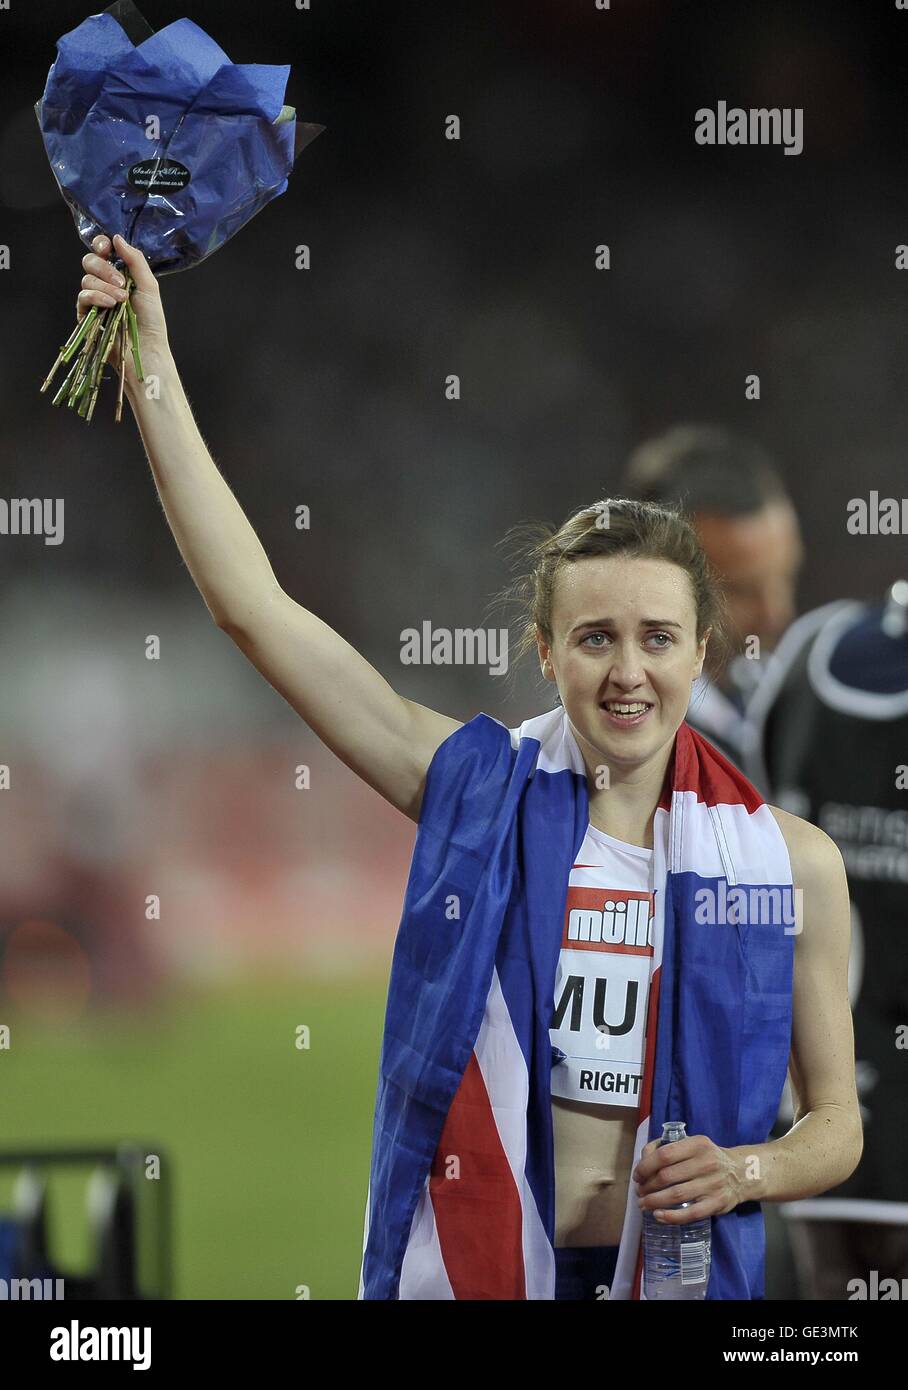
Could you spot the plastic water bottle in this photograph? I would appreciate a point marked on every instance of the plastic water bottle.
(676, 1258)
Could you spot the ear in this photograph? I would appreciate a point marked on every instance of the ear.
(545, 653)
(701, 650)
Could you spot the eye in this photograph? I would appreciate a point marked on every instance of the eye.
(597, 646)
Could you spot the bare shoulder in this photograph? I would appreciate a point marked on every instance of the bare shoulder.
(813, 854)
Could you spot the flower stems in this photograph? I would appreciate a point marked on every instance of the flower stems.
(121, 348)
(89, 346)
(134, 335)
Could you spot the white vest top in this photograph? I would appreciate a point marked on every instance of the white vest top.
(603, 977)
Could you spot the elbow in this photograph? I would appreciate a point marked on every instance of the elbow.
(846, 1143)
(858, 1148)
(246, 617)
(229, 623)
(852, 1151)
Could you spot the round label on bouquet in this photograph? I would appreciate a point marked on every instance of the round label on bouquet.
(159, 175)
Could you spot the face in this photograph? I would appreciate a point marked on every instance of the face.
(623, 630)
(758, 558)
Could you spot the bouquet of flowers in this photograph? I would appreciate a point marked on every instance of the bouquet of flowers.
(159, 137)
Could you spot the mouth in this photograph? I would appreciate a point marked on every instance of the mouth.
(626, 714)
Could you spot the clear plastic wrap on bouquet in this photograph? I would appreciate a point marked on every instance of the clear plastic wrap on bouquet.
(161, 138)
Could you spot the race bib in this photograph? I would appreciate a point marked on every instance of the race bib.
(601, 991)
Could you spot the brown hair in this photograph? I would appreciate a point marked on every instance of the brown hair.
(613, 526)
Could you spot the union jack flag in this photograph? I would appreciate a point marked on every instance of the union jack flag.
(461, 1199)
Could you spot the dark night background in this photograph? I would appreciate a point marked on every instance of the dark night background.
(431, 256)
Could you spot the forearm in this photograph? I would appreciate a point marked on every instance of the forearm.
(817, 1153)
(217, 542)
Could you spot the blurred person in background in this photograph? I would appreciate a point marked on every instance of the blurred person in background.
(829, 736)
(749, 531)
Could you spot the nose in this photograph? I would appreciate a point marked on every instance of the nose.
(626, 672)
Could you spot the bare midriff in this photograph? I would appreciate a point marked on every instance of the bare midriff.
(594, 1155)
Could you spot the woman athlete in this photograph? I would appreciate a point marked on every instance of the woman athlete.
(661, 610)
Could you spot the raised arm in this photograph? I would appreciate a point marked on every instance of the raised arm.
(386, 739)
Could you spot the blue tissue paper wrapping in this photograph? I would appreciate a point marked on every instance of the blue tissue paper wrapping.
(160, 137)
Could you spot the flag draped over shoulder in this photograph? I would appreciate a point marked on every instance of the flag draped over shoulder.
(461, 1200)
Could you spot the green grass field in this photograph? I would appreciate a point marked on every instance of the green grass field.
(269, 1144)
